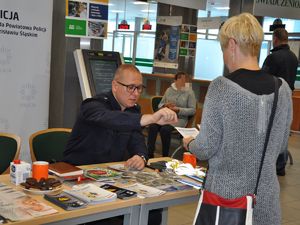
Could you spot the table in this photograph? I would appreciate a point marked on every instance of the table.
(135, 210)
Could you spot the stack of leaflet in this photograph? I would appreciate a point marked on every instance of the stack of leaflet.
(102, 174)
(144, 191)
(91, 194)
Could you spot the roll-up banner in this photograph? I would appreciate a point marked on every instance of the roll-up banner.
(25, 53)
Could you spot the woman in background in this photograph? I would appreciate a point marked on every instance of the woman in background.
(180, 99)
(234, 123)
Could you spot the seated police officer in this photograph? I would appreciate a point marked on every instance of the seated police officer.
(109, 126)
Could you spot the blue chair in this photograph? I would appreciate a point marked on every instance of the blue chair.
(10, 145)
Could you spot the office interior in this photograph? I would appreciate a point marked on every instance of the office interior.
(65, 92)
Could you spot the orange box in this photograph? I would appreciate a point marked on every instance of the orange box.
(40, 170)
(190, 158)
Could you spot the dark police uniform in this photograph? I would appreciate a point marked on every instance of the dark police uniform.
(103, 133)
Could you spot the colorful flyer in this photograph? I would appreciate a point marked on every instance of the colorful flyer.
(188, 40)
(86, 18)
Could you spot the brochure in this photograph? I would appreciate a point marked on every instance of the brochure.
(66, 201)
(91, 193)
(101, 174)
(144, 191)
(15, 205)
(122, 193)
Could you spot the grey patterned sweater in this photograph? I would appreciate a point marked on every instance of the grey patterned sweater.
(184, 99)
(232, 136)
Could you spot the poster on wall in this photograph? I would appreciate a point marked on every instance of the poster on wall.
(86, 18)
(167, 41)
(25, 53)
(188, 40)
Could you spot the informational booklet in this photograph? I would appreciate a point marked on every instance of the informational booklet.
(144, 191)
(187, 132)
(122, 193)
(101, 174)
(16, 206)
(63, 169)
(91, 193)
(66, 201)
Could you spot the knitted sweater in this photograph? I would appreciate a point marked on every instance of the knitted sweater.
(184, 99)
(231, 138)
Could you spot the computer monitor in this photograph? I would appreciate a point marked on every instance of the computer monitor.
(96, 70)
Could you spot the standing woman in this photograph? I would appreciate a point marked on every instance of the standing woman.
(234, 123)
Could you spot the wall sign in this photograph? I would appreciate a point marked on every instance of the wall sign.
(277, 8)
(86, 18)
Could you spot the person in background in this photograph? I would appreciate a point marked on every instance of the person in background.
(181, 99)
(109, 127)
(234, 123)
(282, 63)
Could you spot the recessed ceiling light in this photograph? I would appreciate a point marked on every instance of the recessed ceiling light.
(140, 3)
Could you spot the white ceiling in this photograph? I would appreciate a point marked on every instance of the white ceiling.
(141, 10)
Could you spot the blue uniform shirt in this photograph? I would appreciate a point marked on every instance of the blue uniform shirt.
(103, 133)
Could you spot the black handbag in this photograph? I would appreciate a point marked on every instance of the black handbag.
(213, 209)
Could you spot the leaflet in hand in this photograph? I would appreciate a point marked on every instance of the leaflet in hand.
(186, 132)
(91, 193)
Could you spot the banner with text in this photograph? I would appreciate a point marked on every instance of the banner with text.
(167, 41)
(289, 9)
(25, 53)
(86, 18)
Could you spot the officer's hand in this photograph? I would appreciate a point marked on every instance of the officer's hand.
(165, 116)
(135, 162)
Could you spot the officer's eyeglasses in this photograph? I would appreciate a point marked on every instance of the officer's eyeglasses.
(131, 88)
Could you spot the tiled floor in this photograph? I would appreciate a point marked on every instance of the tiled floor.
(290, 193)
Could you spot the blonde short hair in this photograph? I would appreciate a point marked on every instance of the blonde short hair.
(245, 30)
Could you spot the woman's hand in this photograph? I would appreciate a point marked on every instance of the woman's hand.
(186, 141)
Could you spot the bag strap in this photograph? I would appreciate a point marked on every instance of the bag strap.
(268, 133)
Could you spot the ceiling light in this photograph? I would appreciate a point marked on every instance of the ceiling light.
(140, 3)
(222, 8)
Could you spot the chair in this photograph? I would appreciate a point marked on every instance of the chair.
(155, 100)
(48, 145)
(9, 150)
